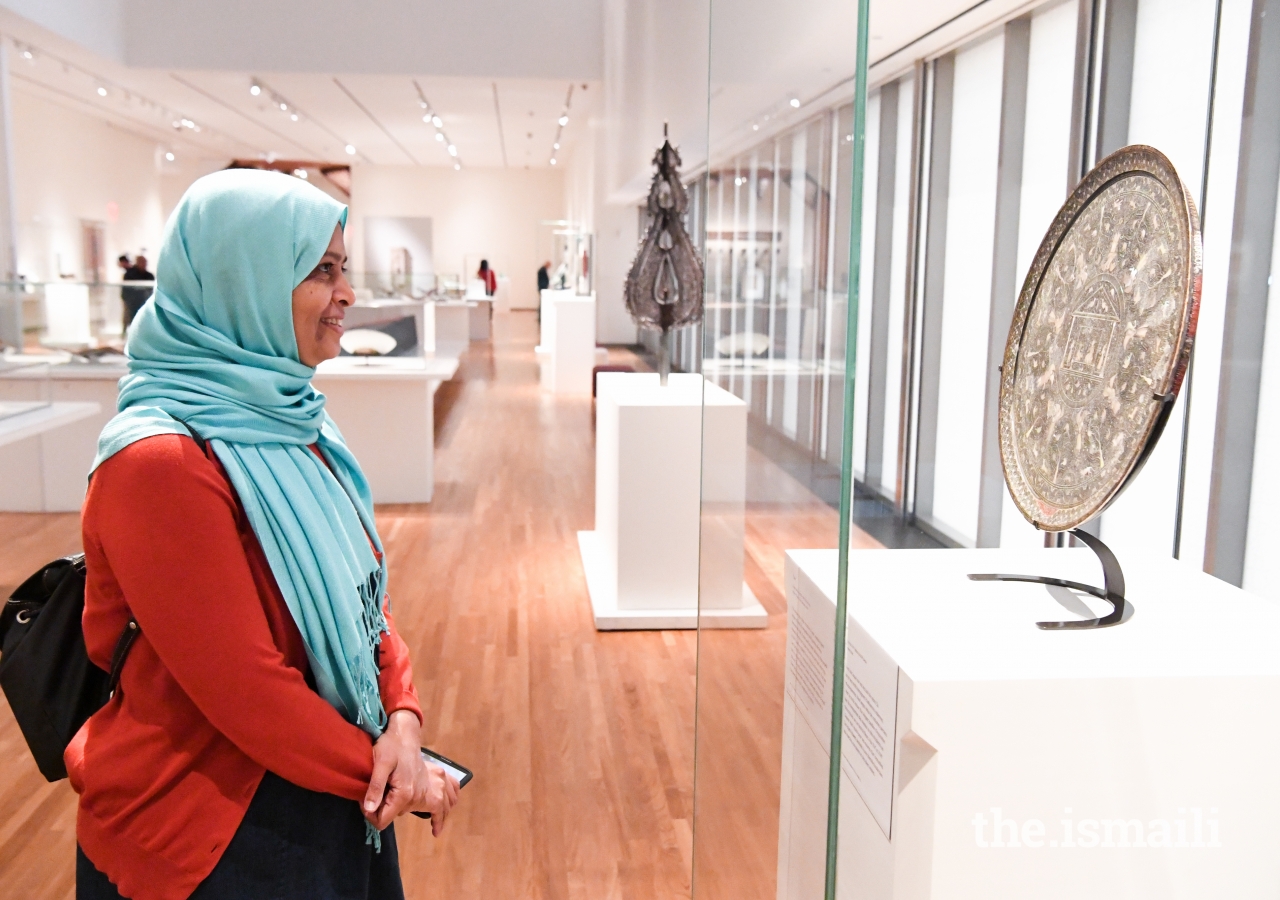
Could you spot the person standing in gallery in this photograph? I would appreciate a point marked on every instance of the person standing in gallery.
(544, 283)
(134, 297)
(487, 275)
(265, 732)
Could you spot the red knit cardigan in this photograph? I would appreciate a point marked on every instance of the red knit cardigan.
(214, 691)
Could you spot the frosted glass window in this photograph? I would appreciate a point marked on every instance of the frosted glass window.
(1261, 561)
(870, 185)
(897, 286)
(1046, 152)
(1172, 65)
(966, 306)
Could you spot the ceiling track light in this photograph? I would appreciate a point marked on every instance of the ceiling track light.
(254, 88)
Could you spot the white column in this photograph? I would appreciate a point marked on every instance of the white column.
(10, 301)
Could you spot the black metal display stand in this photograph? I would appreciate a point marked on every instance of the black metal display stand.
(1112, 592)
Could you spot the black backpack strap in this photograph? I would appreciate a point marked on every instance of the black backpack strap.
(195, 435)
(123, 645)
(131, 631)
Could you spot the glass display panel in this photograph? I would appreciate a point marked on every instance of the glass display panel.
(970, 758)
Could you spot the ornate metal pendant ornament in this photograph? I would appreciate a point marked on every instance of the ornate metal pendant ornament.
(664, 286)
(1098, 348)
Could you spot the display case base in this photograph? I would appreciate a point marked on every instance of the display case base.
(608, 617)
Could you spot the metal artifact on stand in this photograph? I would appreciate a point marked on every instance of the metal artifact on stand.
(1099, 344)
(664, 286)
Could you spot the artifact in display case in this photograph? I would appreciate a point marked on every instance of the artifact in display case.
(664, 286)
(1099, 344)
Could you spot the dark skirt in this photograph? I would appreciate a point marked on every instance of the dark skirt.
(293, 844)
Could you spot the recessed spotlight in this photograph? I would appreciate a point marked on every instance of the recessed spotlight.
(453, 151)
(564, 120)
(169, 156)
(351, 150)
(437, 121)
(755, 127)
(439, 135)
(422, 103)
(555, 146)
(102, 92)
(795, 102)
(301, 173)
(255, 89)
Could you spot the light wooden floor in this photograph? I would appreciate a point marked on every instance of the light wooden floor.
(582, 742)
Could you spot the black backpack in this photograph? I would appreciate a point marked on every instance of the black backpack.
(45, 672)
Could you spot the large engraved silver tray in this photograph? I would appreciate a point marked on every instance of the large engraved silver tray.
(1100, 339)
(1097, 351)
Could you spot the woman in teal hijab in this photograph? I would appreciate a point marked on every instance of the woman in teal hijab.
(267, 708)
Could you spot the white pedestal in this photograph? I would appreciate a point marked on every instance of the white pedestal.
(385, 409)
(642, 561)
(546, 319)
(1137, 761)
(480, 319)
(50, 472)
(573, 354)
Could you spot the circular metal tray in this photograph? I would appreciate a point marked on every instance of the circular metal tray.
(1100, 339)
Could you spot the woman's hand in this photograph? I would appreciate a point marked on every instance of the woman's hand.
(440, 793)
(403, 782)
(398, 778)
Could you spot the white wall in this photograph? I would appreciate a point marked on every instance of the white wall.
(69, 166)
(475, 212)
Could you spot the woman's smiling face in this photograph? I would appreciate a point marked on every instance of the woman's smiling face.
(319, 305)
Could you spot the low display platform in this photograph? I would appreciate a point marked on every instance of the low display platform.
(654, 506)
(985, 757)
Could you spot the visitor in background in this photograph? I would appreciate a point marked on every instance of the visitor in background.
(135, 297)
(123, 261)
(544, 283)
(265, 731)
(488, 277)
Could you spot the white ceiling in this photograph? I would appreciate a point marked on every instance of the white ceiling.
(491, 121)
(556, 39)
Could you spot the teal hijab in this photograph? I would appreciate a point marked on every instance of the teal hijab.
(215, 348)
